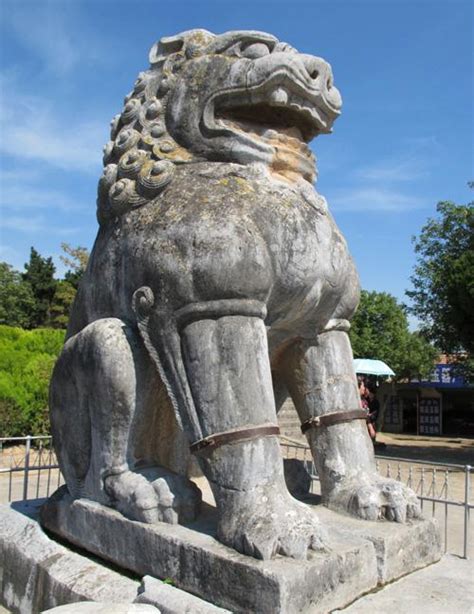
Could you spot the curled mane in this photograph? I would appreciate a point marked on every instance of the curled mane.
(139, 160)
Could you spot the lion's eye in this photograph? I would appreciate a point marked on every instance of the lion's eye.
(254, 50)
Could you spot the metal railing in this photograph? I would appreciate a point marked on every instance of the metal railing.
(444, 491)
(29, 469)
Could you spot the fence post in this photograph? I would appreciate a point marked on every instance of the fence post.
(467, 480)
(27, 467)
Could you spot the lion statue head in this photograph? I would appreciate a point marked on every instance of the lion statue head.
(240, 97)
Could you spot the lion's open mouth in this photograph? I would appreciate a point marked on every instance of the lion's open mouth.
(265, 119)
(278, 104)
(272, 121)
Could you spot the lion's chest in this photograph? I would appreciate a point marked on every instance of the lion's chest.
(213, 238)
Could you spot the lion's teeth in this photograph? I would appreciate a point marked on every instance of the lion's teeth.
(279, 97)
(270, 134)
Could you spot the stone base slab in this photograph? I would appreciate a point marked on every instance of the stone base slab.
(37, 572)
(400, 549)
(196, 562)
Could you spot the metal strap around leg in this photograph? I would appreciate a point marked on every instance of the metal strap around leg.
(219, 439)
(333, 418)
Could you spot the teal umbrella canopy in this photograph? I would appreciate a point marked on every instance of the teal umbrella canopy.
(368, 366)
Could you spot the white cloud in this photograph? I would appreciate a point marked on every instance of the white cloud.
(34, 225)
(23, 224)
(20, 196)
(32, 129)
(12, 256)
(405, 170)
(378, 186)
(414, 162)
(48, 29)
(374, 199)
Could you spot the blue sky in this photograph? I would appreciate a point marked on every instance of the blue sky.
(404, 140)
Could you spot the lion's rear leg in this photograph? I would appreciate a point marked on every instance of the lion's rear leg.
(100, 388)
(227, 372)
(321, 380)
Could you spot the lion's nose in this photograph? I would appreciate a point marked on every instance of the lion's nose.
(315, 67)
(319, 74)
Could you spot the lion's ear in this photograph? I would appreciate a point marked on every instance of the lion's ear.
(195, 39)
(164, 47)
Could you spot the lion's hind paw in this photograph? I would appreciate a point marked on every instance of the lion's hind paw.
(153, 495)
(372, 497)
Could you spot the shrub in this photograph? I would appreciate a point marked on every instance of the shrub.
(27, 358)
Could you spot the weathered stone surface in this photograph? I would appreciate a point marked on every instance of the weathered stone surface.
(399, 548)
(37, 573)
(91, 607)
(196, 562)
(172, 600)
(218, 285)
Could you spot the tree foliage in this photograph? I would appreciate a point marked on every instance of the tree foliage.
(39, 274)
(26, 362)
(443, 278)
(17, 302)
(61, 304)
(35, 298)
(380, 330)
(76, 259)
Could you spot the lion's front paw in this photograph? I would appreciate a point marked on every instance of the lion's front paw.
(133, 495)
(372, 497)
(270, 526)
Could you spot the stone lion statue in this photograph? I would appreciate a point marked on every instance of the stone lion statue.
(218, 285)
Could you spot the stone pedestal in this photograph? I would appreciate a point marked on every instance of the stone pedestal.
(363, 555)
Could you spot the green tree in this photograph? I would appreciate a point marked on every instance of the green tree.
(16, 298)
(380, 330)
(61, 304)
(39, 273)
(443, 278)
(443, 281)
(76, 259)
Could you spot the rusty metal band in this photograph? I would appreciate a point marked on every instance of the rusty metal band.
(334, 418)
(219, 439)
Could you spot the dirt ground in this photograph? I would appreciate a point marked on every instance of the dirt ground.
(459, 451)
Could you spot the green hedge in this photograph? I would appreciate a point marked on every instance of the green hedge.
(27, 358)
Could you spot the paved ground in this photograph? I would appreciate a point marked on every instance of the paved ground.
(444, 588)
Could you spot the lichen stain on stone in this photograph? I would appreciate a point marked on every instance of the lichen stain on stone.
(237, 184)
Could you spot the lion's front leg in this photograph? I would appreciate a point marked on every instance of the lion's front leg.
(321, 381)
(229, 412)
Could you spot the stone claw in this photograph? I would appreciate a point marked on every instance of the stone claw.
(372, 497)
(289, 529)
(153, 495)
(133, 496)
